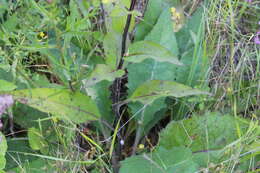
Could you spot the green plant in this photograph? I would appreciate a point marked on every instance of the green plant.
(197, 144)
(86, 76)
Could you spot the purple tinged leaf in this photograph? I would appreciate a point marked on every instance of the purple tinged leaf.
(257, 38)
(5, 102)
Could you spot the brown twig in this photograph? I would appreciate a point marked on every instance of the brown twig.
(117, 87)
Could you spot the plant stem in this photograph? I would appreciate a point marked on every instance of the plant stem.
(117, 87)
(125, 33)
(138, 132)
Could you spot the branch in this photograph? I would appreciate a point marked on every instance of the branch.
(125, 33)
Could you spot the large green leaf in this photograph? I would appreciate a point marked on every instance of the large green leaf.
(175, 160)
(154, 89)
(26, 117)
(209, 132)
(142, 50)
(3, 148)
(69, 105)
(149, 69)
(206, 136)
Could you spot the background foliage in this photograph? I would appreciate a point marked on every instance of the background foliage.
(123, 86)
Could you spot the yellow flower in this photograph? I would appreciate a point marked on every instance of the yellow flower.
(173, 10)
(41, 34)
(177, 18)
(141, 146)
(229, 90)
(55, 119)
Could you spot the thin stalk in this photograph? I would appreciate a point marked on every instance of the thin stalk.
(138, 132)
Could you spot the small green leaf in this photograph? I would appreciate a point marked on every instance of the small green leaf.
(102, 72)
(6, 86)
(73, 106)
(153, 11)
(142, 50)
(3, 148)
(36, 140)
(154, 89)
(112, 48)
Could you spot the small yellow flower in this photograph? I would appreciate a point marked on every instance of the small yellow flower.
(177, 17)
(173, 10)
(55, 119)
(229, 90)
(141, 146)
(41, 34)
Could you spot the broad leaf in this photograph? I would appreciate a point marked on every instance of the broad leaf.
(6, 86)
(26, 117)
(149, 69)
(209, 132)
(101, 96)
(3, 148)
(69, 105)
(142, 50)
(175, 160)
(154, 89)
(100, 73)
(206, 136)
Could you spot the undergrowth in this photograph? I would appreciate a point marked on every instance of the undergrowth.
(151, 86)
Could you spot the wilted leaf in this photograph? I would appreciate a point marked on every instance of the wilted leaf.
(74, 106)
(154, 89)
(142, 50)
